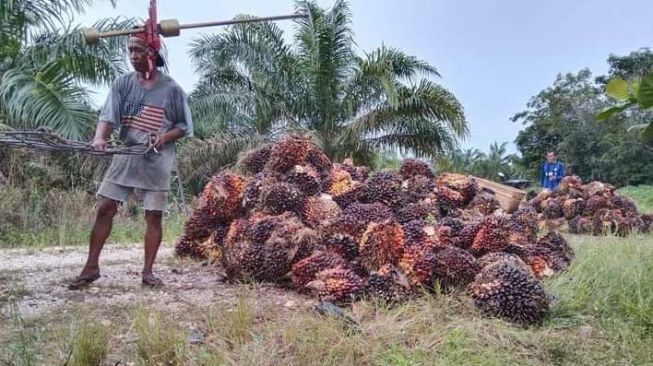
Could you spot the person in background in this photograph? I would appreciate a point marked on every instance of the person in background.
(552, 171)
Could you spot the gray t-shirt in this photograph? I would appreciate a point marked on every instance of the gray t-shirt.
(136, 112)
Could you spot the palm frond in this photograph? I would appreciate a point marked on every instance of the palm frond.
(46, 97)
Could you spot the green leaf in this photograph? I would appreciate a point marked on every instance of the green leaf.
(617, 89)
(647, 134)
(607, 113)
(645, 92)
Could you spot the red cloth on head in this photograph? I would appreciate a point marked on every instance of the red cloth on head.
(142, 36)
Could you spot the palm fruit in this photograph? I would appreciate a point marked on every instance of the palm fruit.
(593, 189)
(647, 220)
(211, 248)
(389, 285)
(383, 187)
(552, 209)
(222, 196)
(467, 234)
(316, 210)
(573, 207)
(448, 199)
(354, 219)
(494, 257)
(305, 178)
(200, 224)
(264, 248)
(461, 183)
(280, 197)
(604, 222)
(580, 225)
(570, 182)
(526, 217)
(536, 259)
(254, 161)
(338, 181)
(290, 151)
(418, 263)
(413, 167)
(381, 243)
(337, 285)
(341, 244)
(184, 246)
(252, 191)
(503, 290)
(493, 235)
(557, 243)
(420, 232)
(418, 188)
(448, 230)
(346, 198)
(368, 212)
(625, 204)
(518, 235)
(454, 267)
(485, 203)
(304, 271)
(358, 173)
(319, 161)
(417, 210)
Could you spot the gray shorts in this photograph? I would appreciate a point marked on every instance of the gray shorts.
(152, 200)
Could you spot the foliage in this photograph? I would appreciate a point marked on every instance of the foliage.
(562, 118)
(253, 83)
(492, 165)
(631, 84)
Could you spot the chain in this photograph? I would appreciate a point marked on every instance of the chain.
(44, 140)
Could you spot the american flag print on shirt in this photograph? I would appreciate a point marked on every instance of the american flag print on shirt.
(142, 117)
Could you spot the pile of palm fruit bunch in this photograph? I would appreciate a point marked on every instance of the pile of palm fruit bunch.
(286, 214)
(593, 208)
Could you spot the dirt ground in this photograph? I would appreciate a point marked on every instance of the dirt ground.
(35, 280)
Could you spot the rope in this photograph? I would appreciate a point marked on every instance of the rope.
(44, 140)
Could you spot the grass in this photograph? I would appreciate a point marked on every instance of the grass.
(89, 344)
(602, 316)
(37, 219)
(158, 340)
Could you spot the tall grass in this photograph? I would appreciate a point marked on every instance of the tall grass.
(56, 217)
(159, 340)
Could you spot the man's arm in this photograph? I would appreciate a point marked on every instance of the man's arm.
(561, 171)
(102, 131)
(164, 138)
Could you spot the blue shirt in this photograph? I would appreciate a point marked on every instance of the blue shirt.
(551, 174)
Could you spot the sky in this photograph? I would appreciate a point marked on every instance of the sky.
(494, 55)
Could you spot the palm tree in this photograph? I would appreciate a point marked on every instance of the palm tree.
(255, 86)
(46, 68)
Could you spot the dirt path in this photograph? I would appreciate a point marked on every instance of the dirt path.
(38, 279)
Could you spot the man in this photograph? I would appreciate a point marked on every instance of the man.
(552, 172)
(144, 105)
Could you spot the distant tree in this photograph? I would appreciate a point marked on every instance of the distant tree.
(563, 118)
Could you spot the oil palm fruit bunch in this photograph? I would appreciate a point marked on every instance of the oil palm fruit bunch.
(460, 183)
(413, 167)
(503, 289)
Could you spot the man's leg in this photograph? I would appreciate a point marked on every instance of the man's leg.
(154, 203)
(106, 210)
(153, 237)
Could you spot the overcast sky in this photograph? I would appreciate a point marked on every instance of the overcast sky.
(494, 55)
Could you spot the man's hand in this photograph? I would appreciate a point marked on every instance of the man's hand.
(160, 139)
(99, 143)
